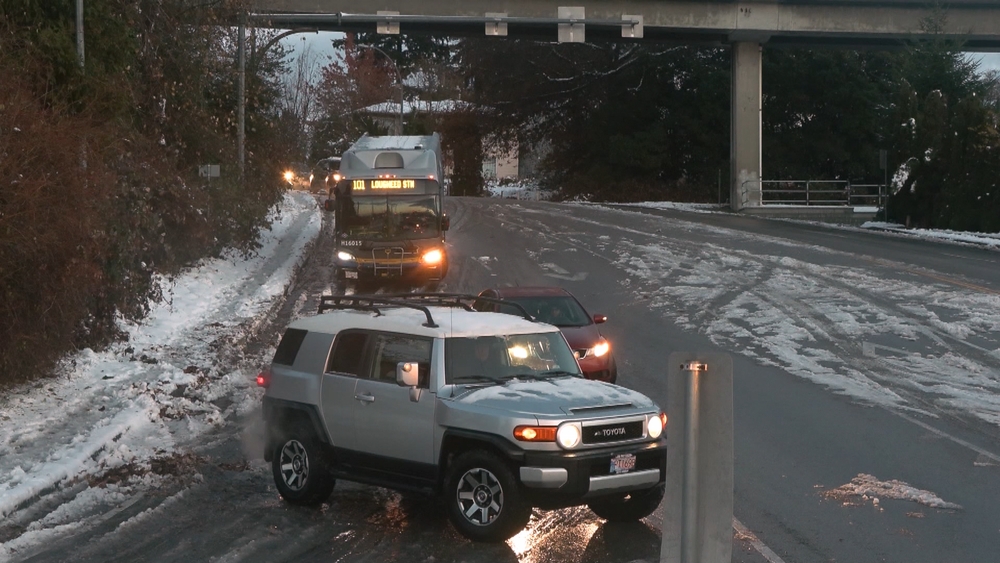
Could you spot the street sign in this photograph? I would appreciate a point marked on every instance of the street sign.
(698, 505)
(209, 171)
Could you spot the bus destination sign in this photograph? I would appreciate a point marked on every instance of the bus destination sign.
(375, 184)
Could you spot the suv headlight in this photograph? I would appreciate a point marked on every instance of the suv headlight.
(568, 436)
(602, 347)
(345, 256)
(655, 424)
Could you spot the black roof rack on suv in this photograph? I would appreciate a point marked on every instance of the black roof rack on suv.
(418, 301)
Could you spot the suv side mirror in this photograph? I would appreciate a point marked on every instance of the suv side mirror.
(328, 205)
(600, 319)
(445, 222)
(407, 374)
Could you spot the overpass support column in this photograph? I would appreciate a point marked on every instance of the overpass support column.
(745, 130)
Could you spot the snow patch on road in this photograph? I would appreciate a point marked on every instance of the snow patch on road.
(869, 489)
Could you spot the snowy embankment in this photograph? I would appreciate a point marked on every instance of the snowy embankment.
(180, 374)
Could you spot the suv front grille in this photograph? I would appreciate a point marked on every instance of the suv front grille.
(617, 432)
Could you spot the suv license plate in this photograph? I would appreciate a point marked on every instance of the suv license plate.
(351, 275)
(622, 463)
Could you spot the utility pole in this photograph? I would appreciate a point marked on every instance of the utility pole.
(79, 33)
(80, 61)
(241, 95)
(883, 162)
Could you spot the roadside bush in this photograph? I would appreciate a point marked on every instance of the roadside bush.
(98, 170)
(53, 228)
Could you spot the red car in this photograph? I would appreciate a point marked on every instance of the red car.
(556, 306)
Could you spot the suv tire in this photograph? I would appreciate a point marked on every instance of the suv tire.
(628, 508)
(301, 472)
(484, 499)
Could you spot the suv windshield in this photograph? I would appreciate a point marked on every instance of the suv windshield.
(561, 311)
(489, 359)
(390, 217)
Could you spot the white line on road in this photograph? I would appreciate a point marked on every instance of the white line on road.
(955, 439)
(771, 556)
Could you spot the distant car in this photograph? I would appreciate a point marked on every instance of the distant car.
(319, 178)
(556, 306)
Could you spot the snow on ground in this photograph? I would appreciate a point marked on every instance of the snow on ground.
(178, 376)
(515, 189)
(909, 342)
(866, 488)
(693, 207)
(985, 239)
(883, 334)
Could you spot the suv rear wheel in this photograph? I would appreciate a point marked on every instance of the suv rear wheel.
(628, 507)
(484, 499)
(300, 470)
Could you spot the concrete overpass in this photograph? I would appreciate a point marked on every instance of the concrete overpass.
(745, 25)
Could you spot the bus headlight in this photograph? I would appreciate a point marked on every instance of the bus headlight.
(433, 257)
(568, 435)
(345, 256)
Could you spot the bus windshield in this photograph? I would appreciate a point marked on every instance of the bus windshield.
(388, 217)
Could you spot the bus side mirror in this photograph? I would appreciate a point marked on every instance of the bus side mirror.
(445, 222)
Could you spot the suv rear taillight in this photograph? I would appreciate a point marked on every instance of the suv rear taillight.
(264, 379)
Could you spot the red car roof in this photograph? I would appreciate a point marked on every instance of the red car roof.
(537, 291)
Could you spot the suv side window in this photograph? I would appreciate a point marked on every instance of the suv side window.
(390, 349)
(348, 353)
(289, 346)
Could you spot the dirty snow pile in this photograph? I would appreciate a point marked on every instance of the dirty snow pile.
(181, 374)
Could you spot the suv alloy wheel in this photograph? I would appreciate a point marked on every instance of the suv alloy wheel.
(300, 471)
(484, 499)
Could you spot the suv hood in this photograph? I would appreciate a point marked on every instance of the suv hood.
(556, 398)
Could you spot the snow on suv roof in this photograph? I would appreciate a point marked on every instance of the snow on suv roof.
(451, 321)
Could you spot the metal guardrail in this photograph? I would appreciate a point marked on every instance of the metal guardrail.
(869, 194)
(821, 192)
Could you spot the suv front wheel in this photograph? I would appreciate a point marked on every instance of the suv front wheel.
(628, 508)
(484, 499)
(300, 470)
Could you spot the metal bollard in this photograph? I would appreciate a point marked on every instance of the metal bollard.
(698, 510)
(689, 495)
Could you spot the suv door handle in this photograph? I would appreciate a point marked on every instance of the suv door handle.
(366, 398)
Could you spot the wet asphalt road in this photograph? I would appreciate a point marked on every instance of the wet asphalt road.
(794, 439)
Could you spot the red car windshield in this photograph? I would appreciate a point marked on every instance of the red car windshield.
(561, 311)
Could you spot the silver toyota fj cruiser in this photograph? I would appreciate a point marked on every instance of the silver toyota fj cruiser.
(421, 392)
